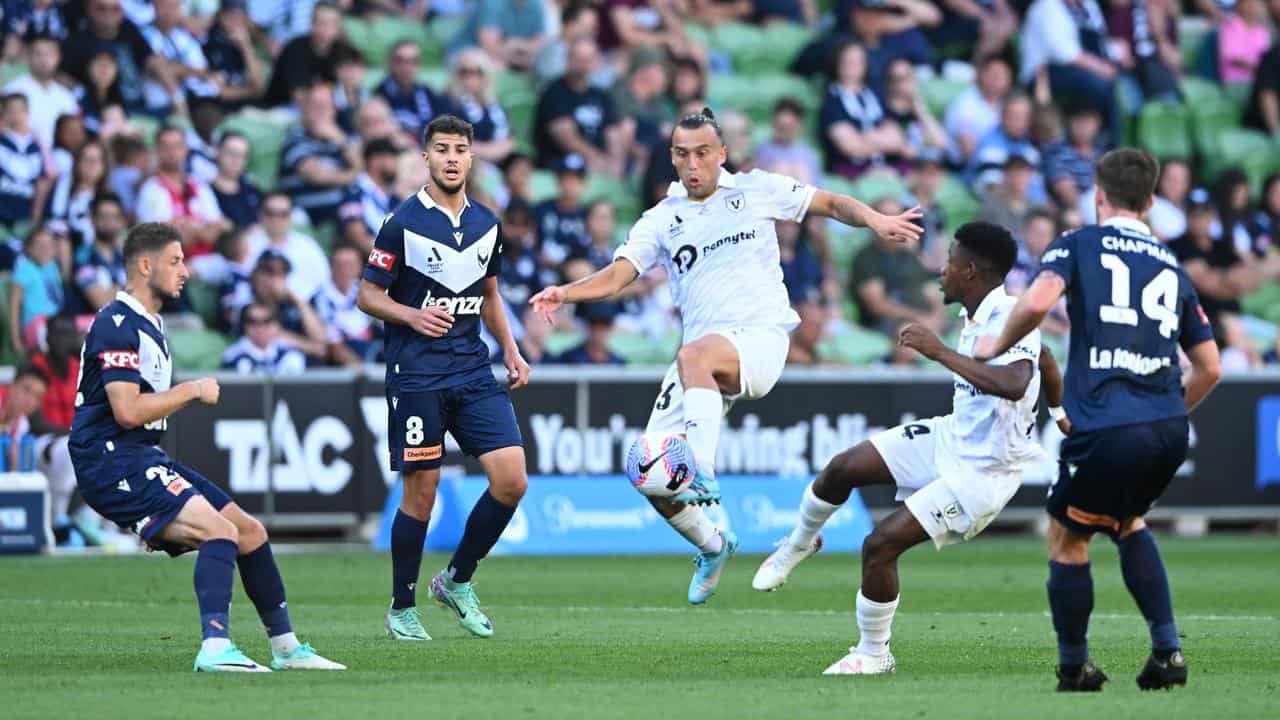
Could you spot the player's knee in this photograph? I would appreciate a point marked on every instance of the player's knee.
(253, 535)
(419, 493)
(878, 548)
(220, 528)
(510, 491)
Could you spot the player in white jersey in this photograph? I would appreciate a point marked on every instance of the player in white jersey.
(714, 233)
(955, 472)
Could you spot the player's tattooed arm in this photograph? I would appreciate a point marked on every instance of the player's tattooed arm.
(1005, 381)
(1032, 306)
(855, 213)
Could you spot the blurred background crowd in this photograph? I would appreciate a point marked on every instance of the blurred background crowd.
(277, 134)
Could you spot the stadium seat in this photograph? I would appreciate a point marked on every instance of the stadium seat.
(938, 93)
(204, 301)
(957, 202)
(385, 31)
(1199, 90)
(622, 193)
(542, 186)
(756, 95)
(1249, 150)
(754, 50)
(519, 99)
(559, 342)
(635, 349)
(8, 353)
(1211, 118)
(854, 346)
(266, 137)
(875, 186)
(197, 350)
(436, 78)
(11, 71)
(1164, 129)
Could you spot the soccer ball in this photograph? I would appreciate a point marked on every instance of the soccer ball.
(660, 465)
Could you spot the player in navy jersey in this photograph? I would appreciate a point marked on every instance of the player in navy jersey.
(123, 400)
(1131, 308)
(432, 278)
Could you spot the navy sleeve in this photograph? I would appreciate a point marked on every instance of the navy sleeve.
(1060, 258)
(495, 259)
(387, 256)
(1195, 323)
(114, 347)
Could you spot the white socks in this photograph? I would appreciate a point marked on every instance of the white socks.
(703, 410)
(214, 645)
(284, 644)
(696, 527)
(874, 622)
(814, 513)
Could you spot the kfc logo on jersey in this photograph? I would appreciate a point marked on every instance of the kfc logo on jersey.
(119, 360)
(382, 259)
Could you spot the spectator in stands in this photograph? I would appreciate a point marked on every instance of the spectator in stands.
(353, 335)
(904, 105)
(976, 111)
(36, 292)
(25, 176)
(511, 32)
(174, 196)
(924, 183)
(578, 19)
(1263, 110)
(640, 98)
(31, 19)
(412, 103)
(802, 270)
(206, 118)
(1243, 39)
(1064, 42)
(1231, 194)
(186, 75)
(22, 398)
(69, 136)
(1266, 221)
(100, 91)
(855, 133)
(105, 30)
(521, 275)
(60, 365)
(375, 121)
(1011, 137)
(627, 24)
(47, 98)
(1069, 163)
(262, 349)
(307, 59)
(561, 221)
(1147, 30)
(517, 174)
(298, 322)
(1168, 217)
(372, 198)
(70, 203)
(230, 269)
(891, 30)
(238, 72)
(1034, 236)
(308, 266)
(283, 20)
(349, 92)
(891, 286)
(99, 271)
(313, 166)
(594, 350)
(239, 200)
(688, 83)
(574, 118)
(130, 162)
(979, 28)
(710, 13)
(471, 93)
(1008, 201)
(786, 151)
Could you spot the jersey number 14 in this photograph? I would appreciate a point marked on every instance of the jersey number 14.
(1159, 297)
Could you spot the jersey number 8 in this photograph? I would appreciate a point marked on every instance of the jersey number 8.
(413, 430)
(1159, 297)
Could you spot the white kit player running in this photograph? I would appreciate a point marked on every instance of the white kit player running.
(714, 234)
(955, 472)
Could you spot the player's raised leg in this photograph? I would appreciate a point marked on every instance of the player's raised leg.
(1070, 589)
(1148, 583)
(263, 584)
(709, 370)
(408, 536)
(505, 468)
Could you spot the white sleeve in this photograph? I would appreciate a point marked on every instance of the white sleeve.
(785, 198)
(643, 247)
(208, 209)
(154, 203)
(1028, 348)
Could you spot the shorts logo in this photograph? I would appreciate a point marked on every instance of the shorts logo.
(177, 485)
(422, 454)
(382, 259)
(119, 360)
(952, 511)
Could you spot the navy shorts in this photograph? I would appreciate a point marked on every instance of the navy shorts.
(1107, 477)
(477, 413)
(141, 489)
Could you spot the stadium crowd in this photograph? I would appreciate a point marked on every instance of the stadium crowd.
(277, 135)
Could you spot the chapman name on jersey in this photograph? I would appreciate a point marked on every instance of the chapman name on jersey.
(721, 254)
(426, 257)
(125, 343)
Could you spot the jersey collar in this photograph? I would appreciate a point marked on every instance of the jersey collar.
(986, 307)
(425, 198)
(1128, 223)
(727, 180)
(137, 307)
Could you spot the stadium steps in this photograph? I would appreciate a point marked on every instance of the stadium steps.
(197, 350)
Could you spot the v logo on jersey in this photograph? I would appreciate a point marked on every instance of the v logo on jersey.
(735, 202)
(117, 319)
(457, 236)
(483, 257)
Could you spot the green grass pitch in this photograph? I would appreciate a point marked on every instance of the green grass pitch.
(612, 637)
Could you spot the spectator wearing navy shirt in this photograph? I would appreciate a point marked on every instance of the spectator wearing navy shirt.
(561, 221)
(1069, 163)
(262, 349)
(105, 29)
(594, 349)
(99, 270)
(239, 200)
(314, 169)
(353, 335)
(26, 19)
(202, 139)
(307, 59)
(186, 74)
(240, 75)
(299, 324)
(472, 94)
(856, 135)
(70, 203)
(412, 103)
(24, 178)
(574, 118)
(372, 198)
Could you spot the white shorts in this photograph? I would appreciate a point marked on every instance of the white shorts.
(927, 484)
(762, 353)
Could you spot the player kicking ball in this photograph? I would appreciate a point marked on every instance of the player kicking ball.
(955, 472)
(714, 233)
(432, 278)
(123, 400)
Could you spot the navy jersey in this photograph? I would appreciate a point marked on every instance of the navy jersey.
(424, 256)
(21, 165)
(1131, 306)
(125, 344)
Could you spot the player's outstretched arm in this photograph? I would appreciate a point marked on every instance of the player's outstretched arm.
(132, 408)
(1052, 389)
(1026, 316)
(432, 321)
(494, 315)
(599, 285)
(1206, 371)
(1005, 381)
(855, 213)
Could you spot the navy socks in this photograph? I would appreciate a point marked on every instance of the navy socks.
(265, 587)
(1145, 576)
(214, 575)
(1071, 601)
(484, 526)
(407, 537)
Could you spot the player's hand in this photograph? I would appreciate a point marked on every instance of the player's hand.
(902, 228)
(984, 348)
(1065, 425)
(207, 390)
(922, 340)
(517, 369)
(548, 301)
(432, 321)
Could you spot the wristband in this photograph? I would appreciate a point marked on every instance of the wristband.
(1057, 413)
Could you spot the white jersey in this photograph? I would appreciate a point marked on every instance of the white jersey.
(721, 254)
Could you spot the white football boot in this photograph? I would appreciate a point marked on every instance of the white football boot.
(856, 663)
(777, 567)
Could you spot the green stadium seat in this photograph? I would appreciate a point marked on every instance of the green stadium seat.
(384, 32)
(1164, 129)
(1210, 121)
(875, 186)
(266, 137)
(197, 350)
(756, 95)
(957, 202)
(755, 50)
(634, 349)
(11, 71)
(1197, 90)
(939, 92)
(542, 186)
(1261, 301)
(622, 193)
(1249, 150)
(854, 346)
(436, 78)
(559, 342)
(204, 301)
